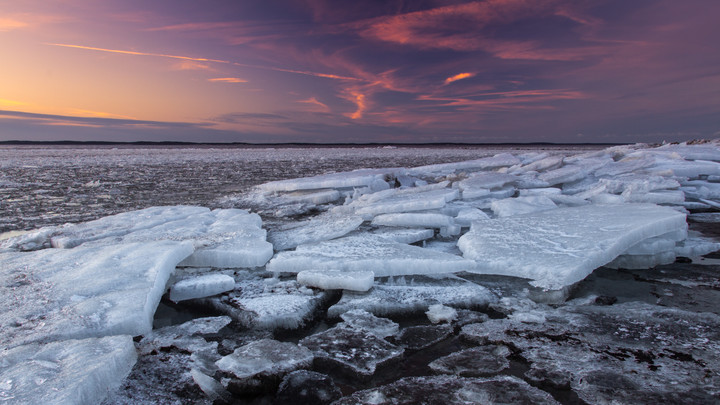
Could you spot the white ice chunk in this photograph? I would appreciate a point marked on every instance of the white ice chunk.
(84, 292)
(559, 247)
(638, 183)
(499, 160)
(625, 165)
(357, 178)
(694, 152)
(637, 262)
(682, 168)
(466, 215)
(422, 220)
(607, 199)
(363, 320)
(365, 251)
(202, 286)
(655, 197)
(317, 197)
(546, 191)
(486, 181)
(565, 174)
(406, 202)
(265, 357)
(71, 372)
(663, 243)
(437, 313)
(696, 245)
(548, 163)
(72, 235)
(404, 235)
(323, 227)
(391, 300)
(337, 280)
(522, 205)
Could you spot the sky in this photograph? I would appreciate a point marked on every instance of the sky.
(336, 71)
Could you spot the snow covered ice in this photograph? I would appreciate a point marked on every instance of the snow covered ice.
(438, 269)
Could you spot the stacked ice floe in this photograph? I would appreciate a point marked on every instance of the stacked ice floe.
(74, 296)
(390, 238)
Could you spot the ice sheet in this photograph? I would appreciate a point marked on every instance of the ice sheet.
(363, 252)
(337, 280)
(202, 286)
(323, 227)
(69, 372)
(559, 247)
(83, 292)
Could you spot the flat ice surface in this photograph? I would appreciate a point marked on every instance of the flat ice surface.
(363, 320)
(403, 235)
(83, 292)
(559, 247)
(363, 252)
(69, 372)
(420, 220)
(265, 357)
(404, 201)
(357, 178)
(337, 280)
(323, 227)
(521, 205)
(202, 286)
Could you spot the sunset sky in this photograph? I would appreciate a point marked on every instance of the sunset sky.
(360, 71)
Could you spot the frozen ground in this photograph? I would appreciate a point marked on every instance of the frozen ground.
(560, 275)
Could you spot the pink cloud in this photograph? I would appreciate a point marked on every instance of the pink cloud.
(227, 80)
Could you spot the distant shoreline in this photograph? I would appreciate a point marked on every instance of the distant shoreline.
(296, 144)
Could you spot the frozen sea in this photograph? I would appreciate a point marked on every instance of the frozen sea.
(505, 274)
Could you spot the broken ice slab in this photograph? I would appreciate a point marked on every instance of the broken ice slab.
(268, 303)
(403, 235)
(259, 366)
(66, 372)
(83, 292)
(363, 320)
(465, 216)
(201, 286)
(366, 252)
(337, 280)
(475, 362)
(488, 163)
(565, 174)
(451, 390)
(560, 247)
(185, 336)
(423, 336)
(486, 181)
(315, 197)
(356, 178)
(323, 227)
(521, 205)
(419, 220)
(404, 200)
(438, 313)
(354, 352)
(415, 296)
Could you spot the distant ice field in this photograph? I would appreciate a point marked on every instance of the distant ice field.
(52, 185)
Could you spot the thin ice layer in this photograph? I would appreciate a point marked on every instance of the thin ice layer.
(559, 247)
(357, 178)
(201, 286)
(84, 292)
(324, 227)
(403, 299)
(337, 280)
(228, 238)
(72, 372)
(364, 251)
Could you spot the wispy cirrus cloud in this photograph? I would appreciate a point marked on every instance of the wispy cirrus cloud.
(312, 101)
(9, 24)
(459, 76)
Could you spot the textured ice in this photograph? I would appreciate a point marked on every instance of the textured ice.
(363, 320)
(185, 336)
(465, 216)
(656, 197)
(323, 227)
(521, 205)
(268, 304)
(486, 181)
(420, 220)
(404, 202)
(403, 235)
(451, 390)
(83, 292)
(423, 336)
(437, 313)
(265, 357)
(545, 164)
(559, 247)
(305, 387)
(357, 178)
(474, 362)
(402, 299)
(71, 372)
(337, 280)
(202, 286)
(316, 197)
(363, 252)
(565, 174)
(355, 352)
(493, 162)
